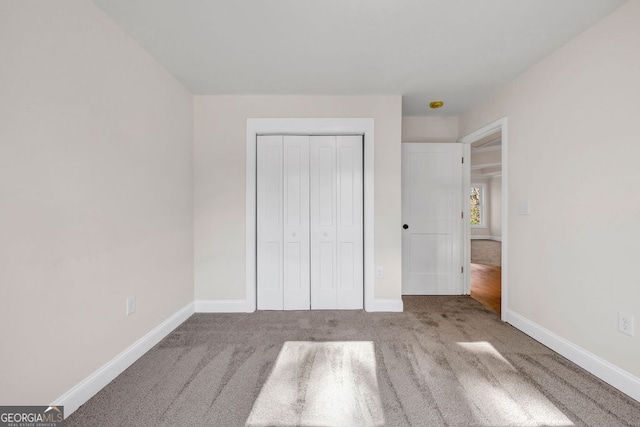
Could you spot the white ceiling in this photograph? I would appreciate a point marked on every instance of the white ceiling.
(455, 50)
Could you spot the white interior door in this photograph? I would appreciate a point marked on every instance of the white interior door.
(309, 222)
(432, 219)
(336, 222)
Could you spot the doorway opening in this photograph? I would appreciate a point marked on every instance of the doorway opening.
(486, 229)
(485, 199)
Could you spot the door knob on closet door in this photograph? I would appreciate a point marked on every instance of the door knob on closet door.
(405, 226)
(294, 234)
(325, 234)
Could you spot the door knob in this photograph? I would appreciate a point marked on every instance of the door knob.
(293, 234)
(405, 226)
(325, 234)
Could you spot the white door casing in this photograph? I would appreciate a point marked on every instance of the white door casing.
(432, 212)
(500, 125)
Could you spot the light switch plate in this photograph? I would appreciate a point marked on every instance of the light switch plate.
(131, 305)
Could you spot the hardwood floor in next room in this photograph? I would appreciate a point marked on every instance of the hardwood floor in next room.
(486, 273)
(486, 286)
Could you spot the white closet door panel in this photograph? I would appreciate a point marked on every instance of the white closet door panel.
(296, 223)
(350, 231)
(326, 195)
(324, 267)
(269, 225)
(323, 177)
(336, 200)
(309, 222)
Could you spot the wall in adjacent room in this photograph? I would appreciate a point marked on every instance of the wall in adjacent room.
(495, 207)
(95, 195)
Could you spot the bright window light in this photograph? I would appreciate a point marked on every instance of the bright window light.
(477, 205)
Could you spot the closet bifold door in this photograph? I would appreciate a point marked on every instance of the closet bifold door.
(297, 285)
(282, 228)
(336, 214)
(269, 230)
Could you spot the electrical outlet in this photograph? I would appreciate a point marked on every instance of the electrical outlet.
(379, 273)
(625, 323)
(523, 207)
(131, 305)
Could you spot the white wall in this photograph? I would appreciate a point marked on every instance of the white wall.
(95, 195)
(495, 207)
(430, 129)
(219, 185)
(573, 150)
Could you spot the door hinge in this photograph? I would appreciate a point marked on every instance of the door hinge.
(462, 214)
(462, 270)
(463, 160)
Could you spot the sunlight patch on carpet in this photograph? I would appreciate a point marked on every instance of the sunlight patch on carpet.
(321, 383)
(500, 393)
(487, 350)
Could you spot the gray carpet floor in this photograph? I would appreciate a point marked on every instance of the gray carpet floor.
(443, 361)
(487, 252)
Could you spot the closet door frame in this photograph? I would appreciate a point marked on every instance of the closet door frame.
(324, 126)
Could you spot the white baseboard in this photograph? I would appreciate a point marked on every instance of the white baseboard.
(222, 306)
(496, 238)
(606, 371)
(87, 388)
(480, 237)
(240, 306)
(393, 305)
